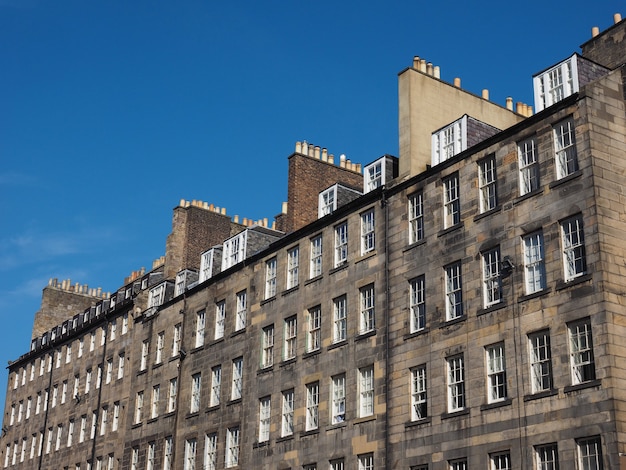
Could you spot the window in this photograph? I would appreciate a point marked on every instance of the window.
(314, 335)
(574, 261)
(287, 413)
(366, 391)
(168, 453)
(120, 365)
(264, 419)
(104, 420)
(367, 317)
(496, 373)
(57, 364)
(418, 393)
(200, 323)
(565, 148)
(340, 322)
(116, 416)
(456, 383)
(337, 464)
(316, 257)
(540, 361)
(293, 262)
(178, 328)
(373, 175)
(125, 323)
(291, 332)
(68, 354)
(57, 444)
(138, 406)
(145, 352)
(37, 405)
(451, 202)
(270, 278)
(267, 353)
(83, 428)
(237, 379)
(338, 397)
(327, 202)
(500, 461)
(157, 295)
(242, 310)
(556, 83)
(81, 349)
(487, 183)
(220, 318)
(547, 457)
(492, 282)
(232, 447)
(94, 422)
(206, 265)
(172, 393)
(190, 454)
(216, 385)
(458, 464)
(154, 404)
(454, 295)
(449, 141)
(150, 456)
(160, 346)
(113, 329)
(528, 166)
(534, 263)
(312, 406)
(210, 452)
(55, 395)
(134, 459)
(99, 377)
(417, 304)
(29, 405)
(416, 218)
(581, 352)
(366, 462)
(589, 454)
(368, 236)
(20, 412)
(196, 383)
(234, 250)
(341, 244)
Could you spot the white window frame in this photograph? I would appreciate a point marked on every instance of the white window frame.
(534, 262)
(337, 464)
(565, 148)
(456, 383)
(458, 464)
(267, 346)
(231, 458)
(157, 295)
(573, 240)
(220, 319)
(500, 461)
(314, 333)
(287, 413)
(340, 319)
(145, 353)
(105, 420)
(547, 457)
(190, 454)
(116, 416)
(172, 394)
(177, 339)
(234, 250)
(540, 361)
(368, 232)
(367, 318)
(451, 201)
(168, 452)
(327, 201)
(449, 141)
(270, 278)
(373, 176)
(312, 406)
(196, 389)
(237, 379)
(200, 328)
(589, 453)
(242, 310)
(210, 451)
(417, 304)
(290, 338)
(366, 461)
(160, 346)
(134, 458)
(419, 393)
(496, 373)
(154, 402)
(487, 183)
(138, 406)
(120, 365)
(582, 364)
(416, 217)
(216, 385)
(492, 280)
(150, 455)
(454, 291)
(316, 246)
(265, 414)
(206, 265)
(293, 266)
(341, 244)
(338, 397)
(366, 391)
(556, 83)
(529, 178)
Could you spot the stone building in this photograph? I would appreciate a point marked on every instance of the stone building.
(459, 307)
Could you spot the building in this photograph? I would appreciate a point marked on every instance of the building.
(459, 307)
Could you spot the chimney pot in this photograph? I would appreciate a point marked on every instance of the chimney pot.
(617, 18)
(595, 31)
(423, 65)
(429, 68)
(298, 147)
(416, 62)
(457, 82)
(436, 72)
(316, 152)
(509, 103)
(485, 94)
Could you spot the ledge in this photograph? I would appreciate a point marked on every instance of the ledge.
(341, 267)
(590, 384)
(287, 362)
(136, 425)
(268, 300)
(290, 290)
(212, 408)
(482, 215)
(265, 370)
(365, 335)
(456, 414)
(418, 422)
(213, 342)
(332, 427)
(528, 195)
(195, 414)
(313, 280)
(539, 395)
(415, 334)
(460, 319)
(234, 402)
(365, 419)
(169, 414)
(560, 285)
(196, 349)
(534, 295)
(152, 420)
(365, 256)
(338, 344)
(141, 372)
(492, 308)
(415, 244)
(257, 445)
(308, 354)
(311, 432)
(446, 231)
(284, 438)
(156, 366)
(565, 179)
(497, 404)
(238, 332)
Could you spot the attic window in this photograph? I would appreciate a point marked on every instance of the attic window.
(374, 177)
(157, 296)
(327, 201)
(449, 141)
(556, 83)
(206, 265)
(234, 249)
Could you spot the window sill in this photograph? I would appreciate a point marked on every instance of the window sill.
(450, 229)
(482, 215)
(156, 366)
(258, 445)
(539, 395)
(315, 352)
(534, 295)
(497, 404)
(234, 402)
(265, 370)
(284, 438)
(365, 256)
(195, 414)
(169, 414)
(365, 419)
(589, 384)
(152, 420)
(332, 427)
(415, 244)
(365, 334)
(289, 291)
(173, 358)
(418, 422)
(492, 308)
(338, 344)
(310, 432)
(141, 372)
(136, 425)
(268, 300)
(560, 285)
(287, 362)
(238, 332)
(196, 349)
(454, 321)
(213, 342)
(338, 268)
(528, 195)
(212, 408)
(565, 179)
(313, 280)
(417, 333)
(456, 414)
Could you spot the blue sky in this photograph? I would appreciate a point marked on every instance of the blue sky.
(111, 112)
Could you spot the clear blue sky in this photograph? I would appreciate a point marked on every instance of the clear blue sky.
(112, 111)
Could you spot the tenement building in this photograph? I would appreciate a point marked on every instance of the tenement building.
(461, 306)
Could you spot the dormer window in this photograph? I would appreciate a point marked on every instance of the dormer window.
(157, 295)
(206, 265)
(327, 201)
(374, 176)
(556, 83)
(185, 279)
(449, 141)
(234, 250)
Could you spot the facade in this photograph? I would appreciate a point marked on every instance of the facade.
(459, 307)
